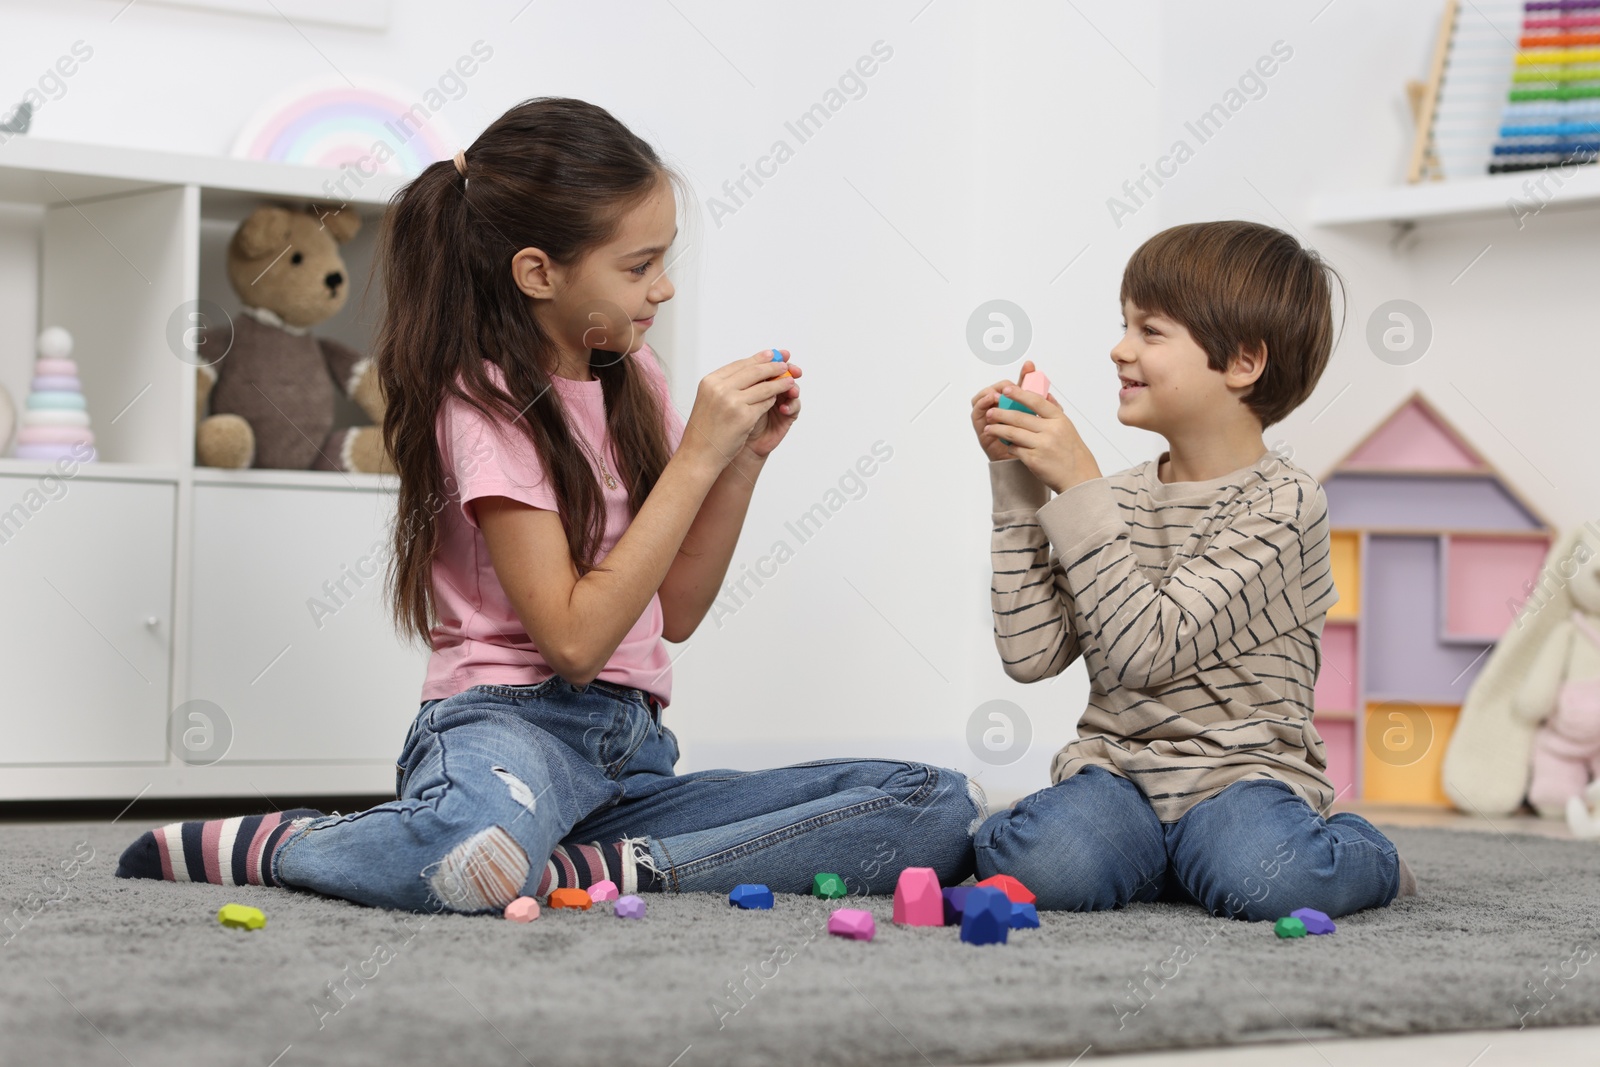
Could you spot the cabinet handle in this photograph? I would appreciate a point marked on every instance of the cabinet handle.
(152, 622)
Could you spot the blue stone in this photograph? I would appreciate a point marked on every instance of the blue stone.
(986, 918)
(751, 896)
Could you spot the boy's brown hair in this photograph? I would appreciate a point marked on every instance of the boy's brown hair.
(1235, 284)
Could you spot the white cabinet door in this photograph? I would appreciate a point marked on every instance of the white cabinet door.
(85, 620)
(291, 638)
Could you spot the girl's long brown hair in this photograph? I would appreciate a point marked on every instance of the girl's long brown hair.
(551, 173)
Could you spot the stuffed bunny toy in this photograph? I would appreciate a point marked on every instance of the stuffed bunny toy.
(1582, 817)
(1523, 733)
(1561, 693)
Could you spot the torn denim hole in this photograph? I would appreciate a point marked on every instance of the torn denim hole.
(487, 870)
(519, 789)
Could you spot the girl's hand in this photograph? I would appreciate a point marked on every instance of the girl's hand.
(731, 403)
(989, 397)
(772, 427)
(1047, 443)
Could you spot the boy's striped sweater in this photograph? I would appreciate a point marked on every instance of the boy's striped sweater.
(1197, 608)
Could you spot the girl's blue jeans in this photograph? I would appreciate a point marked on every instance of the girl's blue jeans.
(491, 779)
(1255, 850)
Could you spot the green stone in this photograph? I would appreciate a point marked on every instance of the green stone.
(1289, 926)
(828, 886)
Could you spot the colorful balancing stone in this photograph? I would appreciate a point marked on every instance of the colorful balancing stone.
(1014, 890)
(955, 898)
(241, 917)
(751, 896)
(1316, 922)
(827, 886)
(630, 907)
(522, 910)
(603, 890)
(1034, 382)
(570, 898)
(853, 923)
(1289, 926)
(777, 357)
(916, 898)
(987, 917)
(1024, 916)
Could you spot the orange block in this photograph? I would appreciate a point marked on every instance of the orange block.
(1346, 548)
(570, 898)
(1404, 758)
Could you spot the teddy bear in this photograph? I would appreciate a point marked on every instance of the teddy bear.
(1561, 693)
(272, 391)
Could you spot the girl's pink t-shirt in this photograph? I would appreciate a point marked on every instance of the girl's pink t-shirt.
(479, 640)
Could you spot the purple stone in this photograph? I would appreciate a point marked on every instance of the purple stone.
(1316, 922)
(955, 899)
(629, 907)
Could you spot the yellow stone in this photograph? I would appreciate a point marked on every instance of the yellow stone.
(241, 917)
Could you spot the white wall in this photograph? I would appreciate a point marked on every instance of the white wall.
(1509, 364)
(977, 165)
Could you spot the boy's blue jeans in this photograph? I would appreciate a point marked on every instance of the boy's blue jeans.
(491, 779)
(1255, 850)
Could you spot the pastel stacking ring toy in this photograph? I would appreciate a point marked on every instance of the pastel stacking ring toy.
(56, 398)
(54, 435)
(8, 418)
(55, 416)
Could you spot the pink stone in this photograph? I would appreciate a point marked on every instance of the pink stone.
(522, 910)
(851, 922)
(605, 890)
(917, 900)
(630, 907)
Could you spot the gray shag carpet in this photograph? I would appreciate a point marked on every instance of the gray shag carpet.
(100, 970)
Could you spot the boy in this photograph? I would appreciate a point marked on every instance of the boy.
(1195, 587)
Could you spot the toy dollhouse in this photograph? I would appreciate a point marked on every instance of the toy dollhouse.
(1433, 554)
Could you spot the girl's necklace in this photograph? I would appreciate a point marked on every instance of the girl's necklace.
(611, 483)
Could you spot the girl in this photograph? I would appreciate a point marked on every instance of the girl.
(556, 520)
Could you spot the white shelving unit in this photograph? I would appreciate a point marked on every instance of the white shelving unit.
(1457, 198)
(140, 582)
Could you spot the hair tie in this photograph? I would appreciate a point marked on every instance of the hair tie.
(461, 161)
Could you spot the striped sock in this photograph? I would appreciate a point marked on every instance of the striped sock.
(221, 851)
(626, 863)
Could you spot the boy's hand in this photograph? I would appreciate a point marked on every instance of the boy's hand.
(987, 398)
(1047, 443)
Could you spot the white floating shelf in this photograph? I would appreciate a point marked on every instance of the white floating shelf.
(1489, 197)
(37, 171)
(297, 479)
(95, 470)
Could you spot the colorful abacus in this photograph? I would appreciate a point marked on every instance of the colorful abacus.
(1552, 112)
(55, 420)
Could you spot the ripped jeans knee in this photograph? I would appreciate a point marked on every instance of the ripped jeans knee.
(485, 872)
